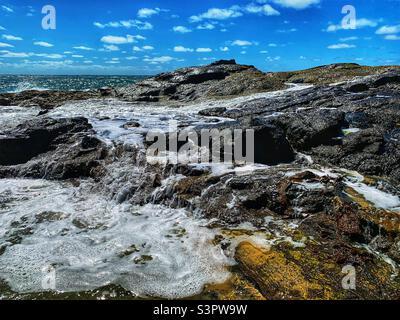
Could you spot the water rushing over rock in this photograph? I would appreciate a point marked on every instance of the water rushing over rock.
(79, 199)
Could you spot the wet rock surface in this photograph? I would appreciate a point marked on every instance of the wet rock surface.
(50, 148)
(323, 194)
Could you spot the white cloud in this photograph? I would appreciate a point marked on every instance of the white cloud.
(265, 9)
(148, 48)
(217, 14)
(2, 28)
(392, 37)
(242, 43)
(49, 56)
(77, 56)
(286, 30)
(181, 29)
(206, 26)
(11, 38)
(43, 44)
(341, 46)
(182, 49)
(203, 50)
(388, 30)
(144, 48)
(111, 47)
(141, 25)
(360, 23)
(84, 48)
(157, 60)
(273, 59)
(272, 45)
(224, 49)
(146, 12)
(121, 40)
(8, 9)
(5, 45)
(348, 39)
(296, 4)
(9, 54)
(263, 51)
(131, 58)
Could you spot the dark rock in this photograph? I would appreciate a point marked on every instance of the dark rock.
(223, 62)
(212, 112)
(387, 79)
(310, 129)
(271, 145)
(35, 137)
(357, 87)
(131, 124)
(51, 149)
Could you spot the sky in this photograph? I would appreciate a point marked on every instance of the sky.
(141, 37)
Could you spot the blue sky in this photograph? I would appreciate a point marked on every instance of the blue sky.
(147, 37)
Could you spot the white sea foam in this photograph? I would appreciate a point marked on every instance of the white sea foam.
(12, 116)
(86, 243)
(378, 198)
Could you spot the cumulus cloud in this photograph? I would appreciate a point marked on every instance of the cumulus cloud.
(341, 46)
(224, 49)
(121, 40)
(146, 12)
(265, 9)
(203, 50)
(348, 39)
(273, 59)
(296, 4)
(84, 48)
(144, 48)
(111, 47)
(43, 44)
(388, 30)
(11, 37)
(392, 37)
(9, 54)
(141, 25)
(158, 60)
(360, 23)
(5, 45)
(260, 7)
(181, 29)
(182, 49)
(217, 14)
(49, 55)
(206, 26)
(242, 43)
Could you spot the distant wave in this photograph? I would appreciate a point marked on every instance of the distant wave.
(19, 83)
(25, 86)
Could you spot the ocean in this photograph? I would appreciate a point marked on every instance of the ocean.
(18, 83)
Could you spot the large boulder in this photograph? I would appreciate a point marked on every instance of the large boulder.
(309, 129)
(37, 136)
(51, 149)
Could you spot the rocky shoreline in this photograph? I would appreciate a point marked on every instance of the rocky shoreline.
(324, 193)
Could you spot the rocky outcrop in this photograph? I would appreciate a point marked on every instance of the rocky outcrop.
(220, 79)
(50, 99)
(50, 148)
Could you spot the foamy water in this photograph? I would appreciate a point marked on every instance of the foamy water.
(91, 241)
